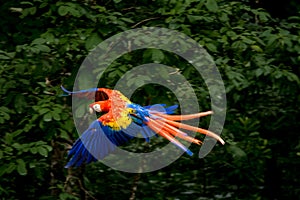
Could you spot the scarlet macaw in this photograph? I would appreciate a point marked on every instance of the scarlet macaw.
(120, 121)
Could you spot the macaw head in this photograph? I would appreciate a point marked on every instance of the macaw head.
(100, 106)
(102, 101)
(102, 96)
(105, 99)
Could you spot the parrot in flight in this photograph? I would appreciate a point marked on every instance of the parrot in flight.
(122, 120)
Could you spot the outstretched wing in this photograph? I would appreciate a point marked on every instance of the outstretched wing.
(96, 143)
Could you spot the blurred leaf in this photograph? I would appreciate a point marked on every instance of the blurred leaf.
(211, 5)
(237, 152)
(21, 167)
(92, 41)
(157, 55)
(117, 1)
(42, 151)
(256, 48)
(63, 10)
(20, 103)
(47, 117)
(33, 150)
(55, 116)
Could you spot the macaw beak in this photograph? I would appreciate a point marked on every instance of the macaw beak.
(91, 110)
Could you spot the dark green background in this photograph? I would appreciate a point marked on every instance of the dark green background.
(256, 47)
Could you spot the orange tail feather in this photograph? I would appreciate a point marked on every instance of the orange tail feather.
(158, 128)
(196, 129)
(184, 117)
(176, 132)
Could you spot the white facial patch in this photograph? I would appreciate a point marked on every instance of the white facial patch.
(97, 108)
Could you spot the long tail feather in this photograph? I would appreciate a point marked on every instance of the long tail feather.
(184, 117)
(78, 92)
(196, 129)
(176, 132)
(158, 128)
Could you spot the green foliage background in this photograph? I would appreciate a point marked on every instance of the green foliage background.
(42, 45)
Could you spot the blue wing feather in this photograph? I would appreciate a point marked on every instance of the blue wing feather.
(146, 132)
(162, 108)
(96, 143)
